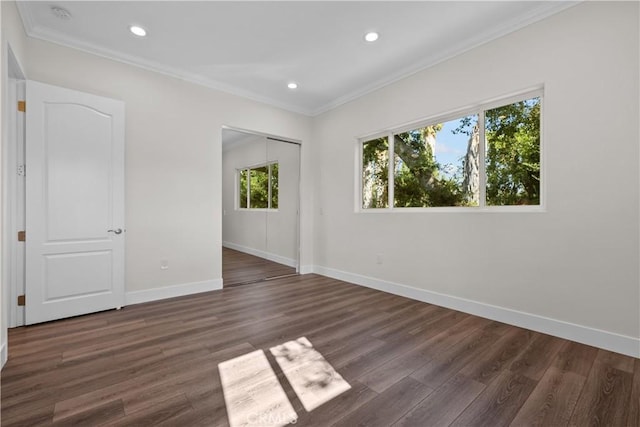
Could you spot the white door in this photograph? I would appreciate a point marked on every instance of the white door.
(74, 203)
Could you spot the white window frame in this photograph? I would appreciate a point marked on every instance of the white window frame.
(479, 110)
(238, 191)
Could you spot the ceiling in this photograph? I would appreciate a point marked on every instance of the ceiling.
(254, 49)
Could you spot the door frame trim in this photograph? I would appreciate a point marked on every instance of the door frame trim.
(14, 84)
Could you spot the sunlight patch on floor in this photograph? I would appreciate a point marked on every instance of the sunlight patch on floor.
(252, 392)
(312, 378)
(254, 396)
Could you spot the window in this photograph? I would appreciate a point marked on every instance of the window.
(512, 161)
(375, 173)
(486, 157)
(258, 187)
(429, 166)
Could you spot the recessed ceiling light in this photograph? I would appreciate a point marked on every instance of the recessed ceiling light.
(138, 31)
(293, 85)
(371, 37)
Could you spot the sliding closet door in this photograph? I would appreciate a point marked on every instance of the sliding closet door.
(282, 217)
(245, 176)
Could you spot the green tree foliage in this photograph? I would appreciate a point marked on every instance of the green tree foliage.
(274, 185)
(259, 190)
(243, 188)
(419, 178)
(513, 153)
(375, 173)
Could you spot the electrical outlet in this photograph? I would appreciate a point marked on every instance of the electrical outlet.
(164, 264)
(379, 259)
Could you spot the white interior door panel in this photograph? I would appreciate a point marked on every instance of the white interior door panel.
(74, 203)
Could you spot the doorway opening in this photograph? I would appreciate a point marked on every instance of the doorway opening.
(260, 207)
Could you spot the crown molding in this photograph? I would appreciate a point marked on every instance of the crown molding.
(545, 10)
(55, 37)
(25, 16)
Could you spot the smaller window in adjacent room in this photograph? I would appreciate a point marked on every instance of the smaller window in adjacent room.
(484, 157)
(258, 187)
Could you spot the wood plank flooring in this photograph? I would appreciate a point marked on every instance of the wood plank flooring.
(408, 363)
(240, 268)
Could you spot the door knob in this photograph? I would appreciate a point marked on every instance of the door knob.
(116, 231)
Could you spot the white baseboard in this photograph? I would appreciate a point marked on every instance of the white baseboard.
(306, 269)
(262, 254)
(147, 295)
(629, 346)
(4, 355)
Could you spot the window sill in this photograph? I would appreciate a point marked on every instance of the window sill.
(457, 210)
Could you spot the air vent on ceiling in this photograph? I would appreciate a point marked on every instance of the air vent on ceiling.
(61, 13)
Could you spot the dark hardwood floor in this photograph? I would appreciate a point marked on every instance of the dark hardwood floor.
(240, 268)
(409, 363)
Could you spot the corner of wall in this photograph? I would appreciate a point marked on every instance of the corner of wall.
(306, 269)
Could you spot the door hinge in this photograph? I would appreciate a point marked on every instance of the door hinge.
(21, 300)
(22, 236)
(22, 106)
(22, 170)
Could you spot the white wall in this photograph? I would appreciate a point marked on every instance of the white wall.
(173, 161)
(270, 234)
(13, 32)
(576, 263)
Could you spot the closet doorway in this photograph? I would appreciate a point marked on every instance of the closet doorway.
(260, 207)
